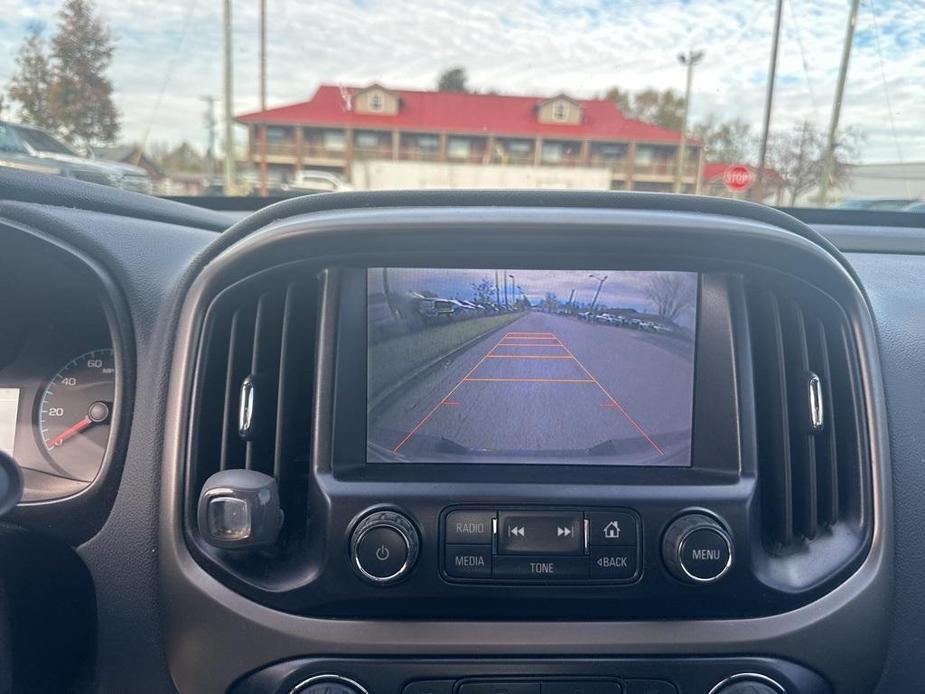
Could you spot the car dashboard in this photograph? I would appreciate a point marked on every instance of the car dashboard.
(458, 443)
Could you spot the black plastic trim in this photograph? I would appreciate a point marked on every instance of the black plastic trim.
(78, 517)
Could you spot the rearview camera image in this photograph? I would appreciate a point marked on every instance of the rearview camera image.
(589, 367)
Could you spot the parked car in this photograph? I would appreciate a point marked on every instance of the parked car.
(317, 182)
(915, 207)
(16, 154)
(436, 308)
(42, 145)
(874, 204)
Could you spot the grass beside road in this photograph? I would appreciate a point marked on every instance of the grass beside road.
(395, 359)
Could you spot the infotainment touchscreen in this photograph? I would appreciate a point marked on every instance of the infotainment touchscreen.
(501, 366)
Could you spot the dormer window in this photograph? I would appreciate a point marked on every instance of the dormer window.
(376, 102)
(560, 111)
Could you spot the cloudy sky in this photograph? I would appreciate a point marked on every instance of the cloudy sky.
(169, 54)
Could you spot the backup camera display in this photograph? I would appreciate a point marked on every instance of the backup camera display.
(591, 367)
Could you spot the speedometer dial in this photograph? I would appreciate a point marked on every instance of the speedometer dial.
(75, 412)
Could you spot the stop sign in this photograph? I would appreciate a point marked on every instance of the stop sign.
(737, 178)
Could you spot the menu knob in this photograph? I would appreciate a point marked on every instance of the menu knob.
(697, 549)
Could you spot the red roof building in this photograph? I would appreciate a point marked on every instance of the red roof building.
(340, 125)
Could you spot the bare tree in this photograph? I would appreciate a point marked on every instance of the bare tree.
(798, 157)
(671, 293)
(482, 290)
(552, 302)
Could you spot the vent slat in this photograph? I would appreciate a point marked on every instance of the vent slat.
(295, 383)
(265, 370)
(771, 377)
(847, 396)
(238, 364)
(826, 445)
(260, 330)
(811, 463)
(802, 441)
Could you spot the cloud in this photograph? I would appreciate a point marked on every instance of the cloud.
(534, 46)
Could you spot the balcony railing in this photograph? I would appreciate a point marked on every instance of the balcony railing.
(664, 167)
(277, 149)
(381, 152)
(416, 154)
(620, 167)
(319, 151)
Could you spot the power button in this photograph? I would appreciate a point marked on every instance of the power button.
(384, 547)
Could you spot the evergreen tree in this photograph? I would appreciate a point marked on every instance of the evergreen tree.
(64, 87)
(30, 84)
(81, 93)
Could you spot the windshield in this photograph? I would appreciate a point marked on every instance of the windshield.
(43, 142)
(8, 140)
(784, 102)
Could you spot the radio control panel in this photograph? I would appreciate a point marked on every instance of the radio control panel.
(548, 545)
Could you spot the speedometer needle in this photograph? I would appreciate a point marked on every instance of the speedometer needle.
(72, 430)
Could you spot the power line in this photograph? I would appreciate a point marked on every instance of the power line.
(799, 39)
(886, 92)
(187, 20)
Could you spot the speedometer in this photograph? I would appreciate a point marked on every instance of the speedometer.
(75, 412)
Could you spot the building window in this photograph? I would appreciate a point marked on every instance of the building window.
(645, 154)
(560, 111)
(277, 135)
(376, 102)
(458, 148)
(367, 140)
(429, 143)
(334, 140)
(520, 148)
(610, 153)
(552, 152)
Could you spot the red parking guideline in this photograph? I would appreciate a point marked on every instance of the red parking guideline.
(526, 336)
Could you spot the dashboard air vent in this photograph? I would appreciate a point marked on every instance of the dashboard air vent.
(252, 401)
(811, 434)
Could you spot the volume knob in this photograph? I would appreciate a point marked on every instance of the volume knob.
(384, 547)
(697, 549)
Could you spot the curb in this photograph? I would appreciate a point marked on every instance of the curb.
(390, 391)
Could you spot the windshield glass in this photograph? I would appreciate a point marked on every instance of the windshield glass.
(784, 102)
(8, 140)
(43, 142)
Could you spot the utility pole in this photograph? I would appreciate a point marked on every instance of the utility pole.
(230, 187)
(210, 128)
(497, 290)
(513, 289)
(690, 59)
(263, 97)
(600, 283)
(829, 162)
(758, 188)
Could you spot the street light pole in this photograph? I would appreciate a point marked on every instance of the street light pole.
(600, 283)
(228, 107)
(690, 59)
(513, 289)
(758, 187)
(829, 162)
(263, 98)
(210, 128)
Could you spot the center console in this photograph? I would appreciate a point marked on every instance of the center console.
(625, 435)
